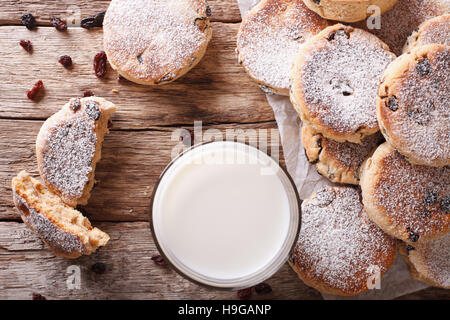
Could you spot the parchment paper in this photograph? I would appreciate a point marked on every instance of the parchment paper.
(397, 281)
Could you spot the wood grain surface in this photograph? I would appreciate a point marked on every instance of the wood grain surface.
(144, 138)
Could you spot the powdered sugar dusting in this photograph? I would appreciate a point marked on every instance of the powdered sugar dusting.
(61, 241)
(68, 153)
(412, 197)
(398, 23)
(438, 31)
(152, 38)
(351, 155)
(422, 123)
(435, 257)
(269, 39)
(338, 244)
(340, 79)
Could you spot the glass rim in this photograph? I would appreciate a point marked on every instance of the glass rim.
(258, 276)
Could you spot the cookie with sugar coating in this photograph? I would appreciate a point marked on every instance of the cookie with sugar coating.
(338, 161)
(339, 250)
(430, 262)
(269, 38)
(334, 82)
(348, 10)
(65, 231)
(413, 105)
(155, 42)
(409, 202)
(69, 145)
(436, 30)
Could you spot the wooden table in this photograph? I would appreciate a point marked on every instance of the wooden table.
(217, 92)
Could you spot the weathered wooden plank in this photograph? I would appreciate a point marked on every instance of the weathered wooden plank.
(12, 10)
(217, 90)
(27, 267)
(131, 163)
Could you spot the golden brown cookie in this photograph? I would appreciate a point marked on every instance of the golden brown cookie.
(155, 42)
(69, 145)
(334, 82)
(414, 107)
(436, 30)
(339, 249)
(338, 161)
(348, 10)
(65, 231)
(430, 262)
(403, 19)
(409, 202)
(269, 38)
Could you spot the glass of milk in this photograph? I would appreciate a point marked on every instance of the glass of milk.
(225, 214)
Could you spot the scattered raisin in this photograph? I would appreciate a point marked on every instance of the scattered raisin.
(430, 198)
(100, 64)
(92, 110)
(263, 288)
(37, 296)
(26, 44)
(316, 1)
(29, 21)
(94, 21)
(58, 24)
(88, 93)
(445, 204)
(412, 235)
(423, 67)
(245, 294)
(31, 94)
(409, 248)
(66, 61)
(159, 260)
(75, 104)
(392, 104)
(99, 268)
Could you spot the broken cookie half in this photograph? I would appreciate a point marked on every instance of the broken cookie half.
(65, 230)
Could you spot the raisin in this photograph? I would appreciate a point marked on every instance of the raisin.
(99, 268)
(341, 86)
(65, 131)
(92, 110)
(167, 77)
(201, 23)
(31, 94)
(445, 204)
(425, 214)
(423, 67)
(392, 104)
(263, 288)
(75, 104)
(29, 21)
(100, 64)
(58, 24)
(26, 44)
(66, 61)
(37, 296)
(338, 33)
(412, 235)
(94, 21)
(245, 294)
(159, 260)
(88, 93)
(409, 248)
(316, 1)
(208, 10)
(430, 198)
